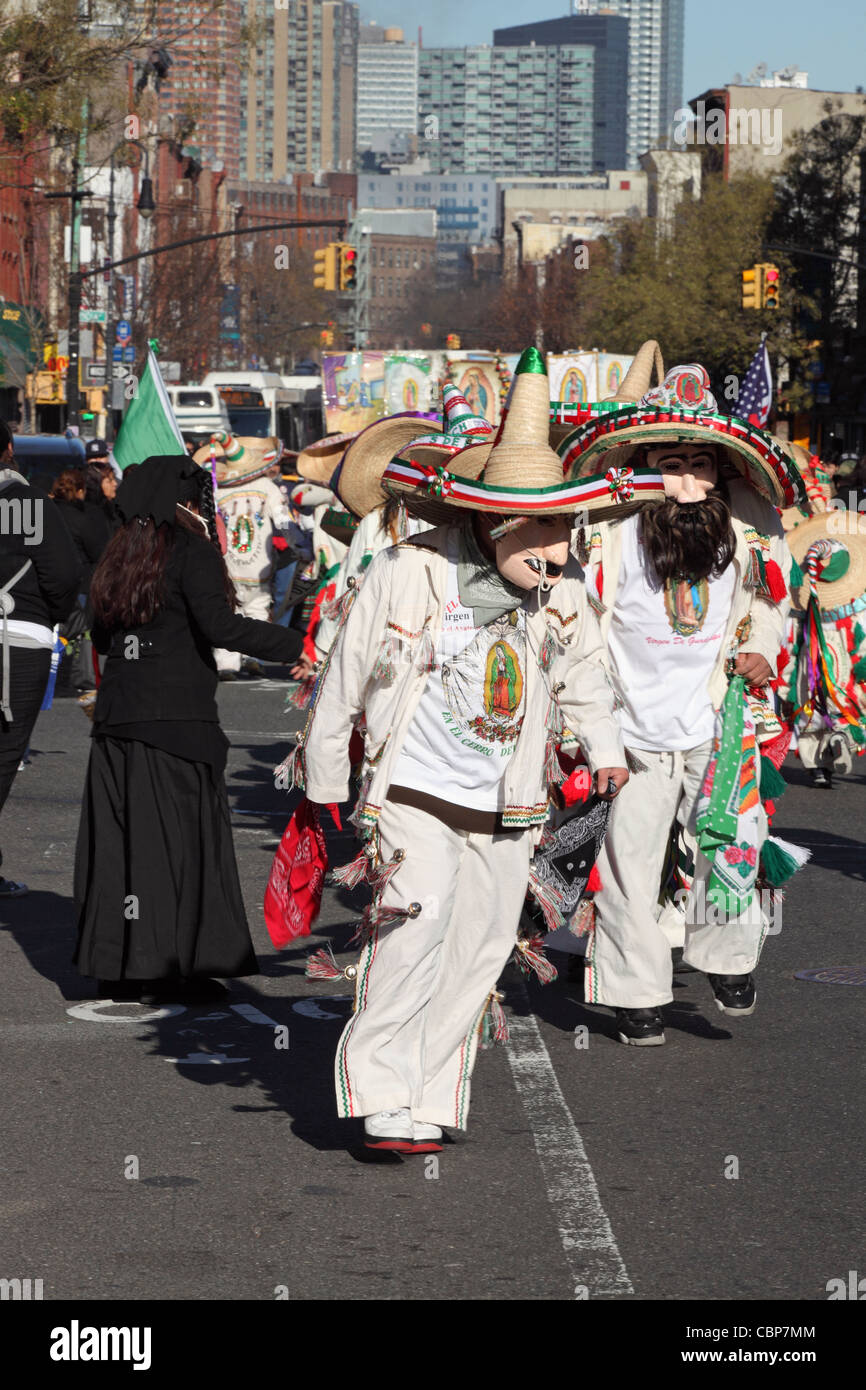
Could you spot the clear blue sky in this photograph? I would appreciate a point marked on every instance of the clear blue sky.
(827, 38)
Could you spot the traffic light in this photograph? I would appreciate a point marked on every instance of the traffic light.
(452, 342)
(751, 290)
(770, 296)
(325, 267)
(348, 268)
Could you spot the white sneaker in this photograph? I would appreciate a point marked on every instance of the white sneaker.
(426, 1139)
(389, 1129)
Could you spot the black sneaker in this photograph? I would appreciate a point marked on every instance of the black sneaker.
(735, 994)
(821, 777)
(640, 1027)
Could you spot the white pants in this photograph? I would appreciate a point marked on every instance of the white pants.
(255, 603)
(423, 983)
(826, 748)
(628, 962)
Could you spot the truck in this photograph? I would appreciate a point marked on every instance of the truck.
(265, 404)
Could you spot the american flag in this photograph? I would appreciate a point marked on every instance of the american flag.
(756, 392)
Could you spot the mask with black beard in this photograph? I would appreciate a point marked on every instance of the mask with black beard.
(688, 540)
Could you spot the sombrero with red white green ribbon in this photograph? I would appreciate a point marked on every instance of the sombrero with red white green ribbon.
(518, 474)
(681, 410)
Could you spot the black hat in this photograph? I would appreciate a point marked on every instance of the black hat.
(158, 485)
(96, 449)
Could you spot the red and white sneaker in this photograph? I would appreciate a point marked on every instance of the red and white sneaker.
(390, 1129)
(426, 1139)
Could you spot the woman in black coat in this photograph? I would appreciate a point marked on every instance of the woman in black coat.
(161, 909)
(85, 521)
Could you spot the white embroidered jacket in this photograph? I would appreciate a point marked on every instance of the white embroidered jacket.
(377, 667)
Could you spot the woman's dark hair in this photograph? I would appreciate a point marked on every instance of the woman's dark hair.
(68, 484)
(5, 437)
(128, 585)
(95, 474)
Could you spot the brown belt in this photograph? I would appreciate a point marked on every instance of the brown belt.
(455, 817)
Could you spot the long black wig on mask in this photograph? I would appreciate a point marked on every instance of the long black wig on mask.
(688, 540)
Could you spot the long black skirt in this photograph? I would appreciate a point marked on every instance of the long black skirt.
(156, 881)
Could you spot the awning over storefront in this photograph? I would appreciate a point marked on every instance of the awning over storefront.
(19, 326)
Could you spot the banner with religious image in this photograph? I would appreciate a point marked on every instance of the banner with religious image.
(573, 377)
(353, 389)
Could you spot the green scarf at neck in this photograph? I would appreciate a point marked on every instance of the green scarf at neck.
(479, 583)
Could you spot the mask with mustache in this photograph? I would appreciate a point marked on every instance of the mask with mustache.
(694, 541)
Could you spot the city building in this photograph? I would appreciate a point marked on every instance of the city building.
(741, 128)
(510, 110)
(297, 97)
(465, 204)
(387, 85)
(401, 260)
(671, 176)
(301, 196)
(535, 215)
(656, 31)
(193, 88)
(607, 33)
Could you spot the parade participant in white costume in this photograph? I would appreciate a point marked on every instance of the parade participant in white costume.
(253, 511)
(465, 650)
(692, 596)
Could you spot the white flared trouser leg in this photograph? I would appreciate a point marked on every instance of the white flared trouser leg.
(255, 603)
(628, 963)
(423, 983)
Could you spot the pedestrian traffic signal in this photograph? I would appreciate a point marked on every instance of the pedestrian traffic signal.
(325, 267)
(751, 291)
(770, 296)
(452, 342)
(348, 268)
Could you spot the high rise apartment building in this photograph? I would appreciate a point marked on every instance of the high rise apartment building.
(191, 86)
(655, 74)
(525, 110)
(387, 84)
(607, 34)
(297, 99)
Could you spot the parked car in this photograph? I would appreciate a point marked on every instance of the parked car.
(40, 457)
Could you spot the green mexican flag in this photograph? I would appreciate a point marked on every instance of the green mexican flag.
(149, 426)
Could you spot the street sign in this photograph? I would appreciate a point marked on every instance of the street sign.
(92, 316)
(128, 293)
(170, 371)
(119, 372)
(123, 331)
(117, 353)
(129, 354)
(94, 374)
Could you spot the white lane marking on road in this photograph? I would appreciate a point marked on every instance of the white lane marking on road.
(584, 1229)
(214, 1059)
(287, 734)
(253, 1015)
(310, 1007)
(95, 1012)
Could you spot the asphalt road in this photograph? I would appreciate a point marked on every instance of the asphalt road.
(190, 1157)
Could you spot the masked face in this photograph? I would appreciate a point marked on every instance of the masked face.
(537, 548)
(690, 471)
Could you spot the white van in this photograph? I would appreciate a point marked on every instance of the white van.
(199, 411)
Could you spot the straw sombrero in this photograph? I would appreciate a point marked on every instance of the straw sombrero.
(831, 549)
(317, 462)
(518, 474)
(682, 409)
(238, 460)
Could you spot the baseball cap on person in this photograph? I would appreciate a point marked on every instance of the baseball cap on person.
(96, 449)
